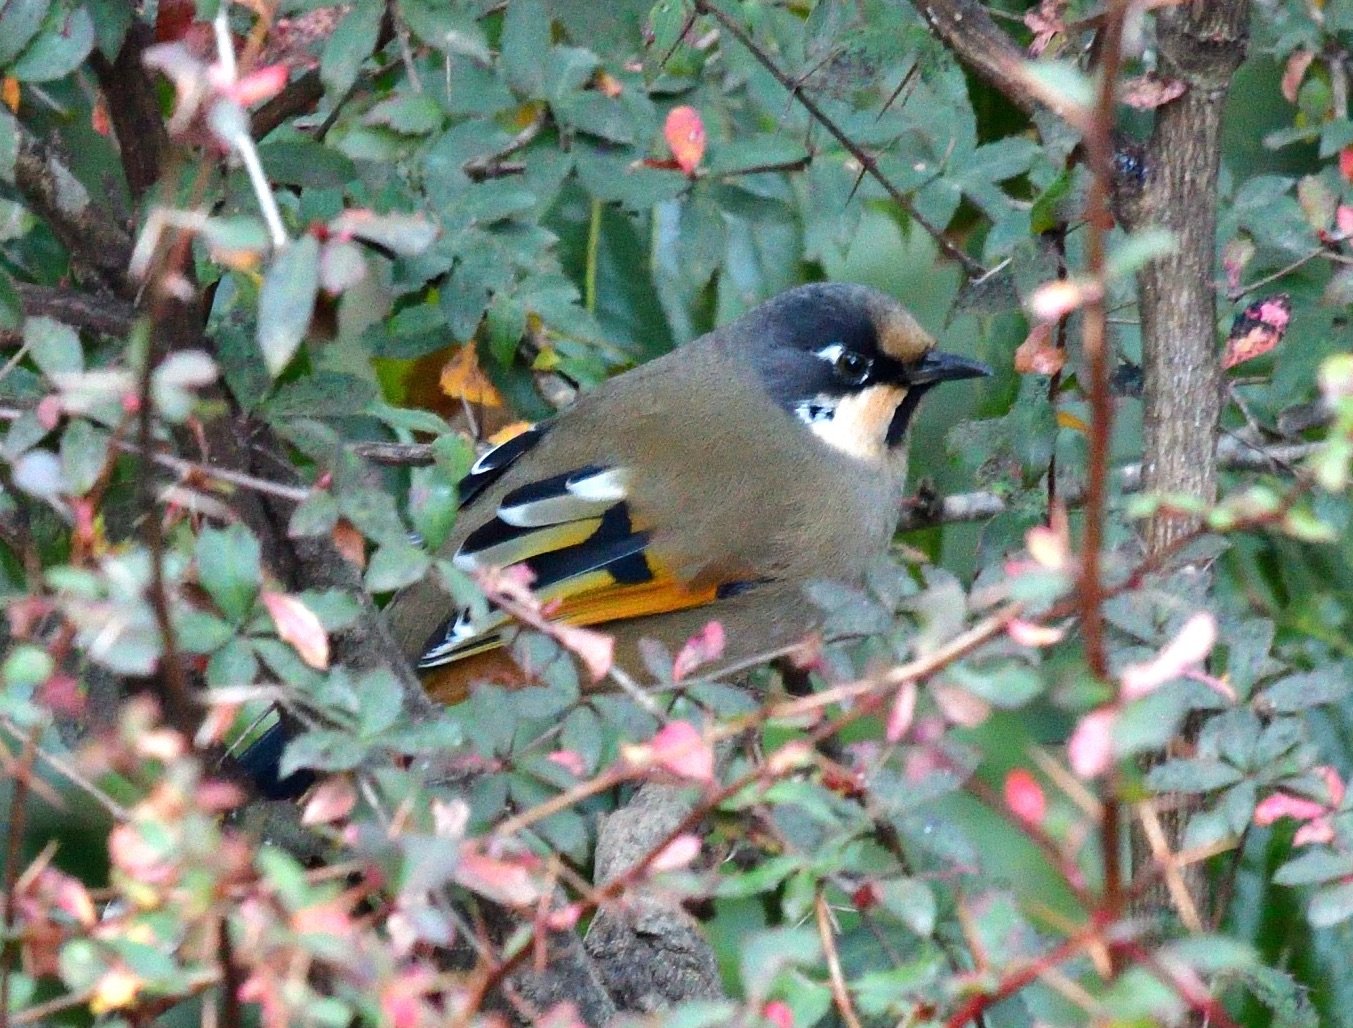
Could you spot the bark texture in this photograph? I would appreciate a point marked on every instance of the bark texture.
(1201, 44)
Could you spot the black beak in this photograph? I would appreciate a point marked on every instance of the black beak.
(937, 366)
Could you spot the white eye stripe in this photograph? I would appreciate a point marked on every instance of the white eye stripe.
(830, 353)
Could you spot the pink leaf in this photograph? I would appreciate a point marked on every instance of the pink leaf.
(684, 131)
(1147, 92)
(332, 800)
(1053, 301)
(595, 649)
(569, 761)
(701, 648)
(679, 749)
(1297, 63)
(1091, 747)
(960, 706)
(503, 881)
(1024, 796)
(297, 624)
(1346, 163)
(902, 712)
(1319, 831)
(1031, 633)
(1333, 783)
(263, 84)
(778, 1013)
(1184, 652)
(676, 854)
(1343, 219)
(1283, 804)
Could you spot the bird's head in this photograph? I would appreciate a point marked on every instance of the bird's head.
(849, 362)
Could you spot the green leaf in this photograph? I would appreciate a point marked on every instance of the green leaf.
(1311, 689)
(200, 632)
(317, 514)
(55, 347)
(84, 453)
(395, 565)
(911, 901)
(1138, 250)
(410, 114)
(287, 301)
(1331, 905)
(66, 38)
(350, 43)
(526, 36)
(1197, 775)
(11, 305)
(19, 23)
(506, 324)
(303, 162)
(433, 502)
(1314, 867)
(233, 664)
(229, 568)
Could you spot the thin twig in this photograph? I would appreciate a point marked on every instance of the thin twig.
(1094, 338)
(971, 266)
(18, 817)
(840, 994)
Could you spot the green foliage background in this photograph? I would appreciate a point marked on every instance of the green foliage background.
(512, 155)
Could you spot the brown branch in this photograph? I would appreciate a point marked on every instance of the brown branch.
(968, 30)
(99, 247)
(971, 266)
(1233, 455)
(835, 976)
(134, 110)
(300, 97)
(106, 315)
(18, 816)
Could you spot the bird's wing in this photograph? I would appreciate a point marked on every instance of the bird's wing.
(577, 533)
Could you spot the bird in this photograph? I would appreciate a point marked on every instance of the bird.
(716, 482)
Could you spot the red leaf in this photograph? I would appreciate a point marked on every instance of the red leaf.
(685, 134)
(1024, 796)
(1346, 163)
(701, 648)
(778, 1013)
(297, 624)
(1257, 329)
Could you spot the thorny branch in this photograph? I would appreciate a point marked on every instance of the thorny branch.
(971, 266)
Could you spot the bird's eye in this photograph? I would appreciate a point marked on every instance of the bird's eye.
(852, 367)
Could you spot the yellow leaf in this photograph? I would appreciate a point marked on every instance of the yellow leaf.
(462, 379)
(1065, 419)
(9, 92)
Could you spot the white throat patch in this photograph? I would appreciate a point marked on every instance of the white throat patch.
(856, 424)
